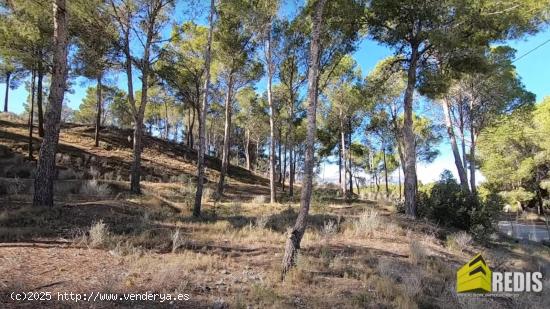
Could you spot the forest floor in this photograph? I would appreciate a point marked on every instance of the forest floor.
(100, 239)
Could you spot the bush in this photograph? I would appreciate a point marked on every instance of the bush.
(94, 188)
(367, 223)
(417, 253)
(99, 235)
(458, 241)
(448, 204)
(261, 222)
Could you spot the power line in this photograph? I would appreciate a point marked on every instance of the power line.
(532, 50)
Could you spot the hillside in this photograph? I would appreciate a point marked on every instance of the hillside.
(101, 240)
(162, 161)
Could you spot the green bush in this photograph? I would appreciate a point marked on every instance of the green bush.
(448, 204)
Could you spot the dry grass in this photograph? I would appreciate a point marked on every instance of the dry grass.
(258, 200)
(367, 223)
(359, 255)
(418, 253)
(94, 188)
(99, 235)
(458, 241)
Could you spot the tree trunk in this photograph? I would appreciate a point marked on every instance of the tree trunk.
(399, 177)
(349, 160)
(192, 127)
(202, 118)
(456, 153)
(408, 137)
(226, 137)
(292, 175)
(295, 236)
(344, 182)
(98, 111)
(45, 172)
(139, 112)
(135, 172)
(279, 158)
(39, 101)
(385, 172)
(463, 141)
(166, 124)
(272, 197)
(340, 168)
(31, 113)
(377, 182)
(472, 161)
(291, 145)
(6, 95)
(284, 164)
(247, 149)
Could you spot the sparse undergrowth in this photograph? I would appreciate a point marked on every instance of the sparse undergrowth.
(354, 255)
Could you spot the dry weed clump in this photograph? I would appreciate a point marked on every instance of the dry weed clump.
(16, 186)
(94, 188)
(387, 269)
(94, 172)
(263, 295)
(418, 254)
(69, 173)
(412, 284)
(98, 235)
(329, 228)
(261, 221)
(235, 208)
(368, 222)
(208, 194)
(393, 229)
(258, 200)
(458, 241)
(127, 248)
(177, 240)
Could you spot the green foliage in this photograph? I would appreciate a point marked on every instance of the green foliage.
(446, 202)
(115, 109)
(515, 156)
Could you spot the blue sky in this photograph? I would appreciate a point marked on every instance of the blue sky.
(534, 70)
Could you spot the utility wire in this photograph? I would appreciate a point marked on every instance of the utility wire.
(532, 50)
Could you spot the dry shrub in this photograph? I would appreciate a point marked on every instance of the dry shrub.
(177, 240)
(98, 235)
(261, 222)
(417, 253)
(258, 199)
(94, 172)
(170, 279)
(208, 194)
(329, 228)
(126, 248)
(109, 176)
(368, 222)
(412, 284)
(263, 295)
(15, 187)
(188, 188)
(94, 188)
(69, 174)
(235, 208)
(387, 269)
(458, 241)
(393, 229)
(404, 302)
(384, 288)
